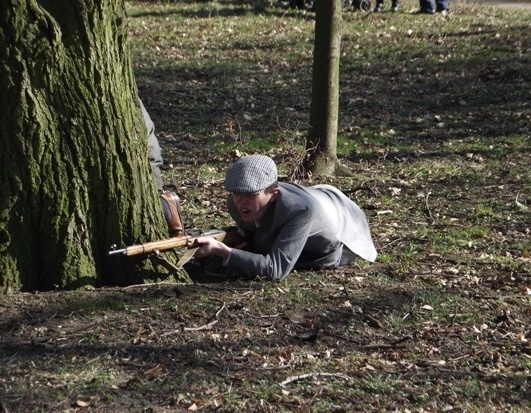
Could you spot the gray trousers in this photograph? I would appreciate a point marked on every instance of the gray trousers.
(154, 151)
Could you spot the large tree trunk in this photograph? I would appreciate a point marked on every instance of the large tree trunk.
(321, 145)
(74, 175)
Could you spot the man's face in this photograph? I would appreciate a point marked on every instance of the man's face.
(253, 207)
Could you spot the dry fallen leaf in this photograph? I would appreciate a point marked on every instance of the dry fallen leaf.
(395, 191)
(155, 371)
(346, 304)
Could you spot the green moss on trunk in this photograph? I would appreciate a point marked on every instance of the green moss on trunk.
(75, 176)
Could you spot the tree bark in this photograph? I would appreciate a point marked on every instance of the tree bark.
(321, 145)
(74, 175)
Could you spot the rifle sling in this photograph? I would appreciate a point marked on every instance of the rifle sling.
(188, 254)
(157, 257)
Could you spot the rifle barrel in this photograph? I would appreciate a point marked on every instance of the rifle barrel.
(122, 251)
(182, 241)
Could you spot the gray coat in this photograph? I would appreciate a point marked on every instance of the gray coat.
(306, 227)
(154, 152)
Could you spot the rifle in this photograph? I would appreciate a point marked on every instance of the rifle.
(229, 236)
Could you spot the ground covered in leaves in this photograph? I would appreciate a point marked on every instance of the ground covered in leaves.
(435, 126)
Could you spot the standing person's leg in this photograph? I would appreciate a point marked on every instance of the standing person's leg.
(154, 151)
(155, 159)
(427, 6)
(394, 5)
(171, 203)
(442, 5)
(379, 6)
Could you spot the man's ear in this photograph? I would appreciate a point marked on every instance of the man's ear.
(274, 195)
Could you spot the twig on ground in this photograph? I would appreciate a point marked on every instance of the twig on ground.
(383, 346)
(219, 311)
(359, 188)
(401, 340)
(428, 210)
(292, 379)
(180, 330)
(350, 340)
(128, 287)
(204, 327)
(214, 319)
(373, 322)
(394, 241)
(265, 315)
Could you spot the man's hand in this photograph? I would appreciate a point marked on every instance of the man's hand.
(209, 246)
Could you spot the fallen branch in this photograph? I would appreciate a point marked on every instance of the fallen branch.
(359, 188)
(129, 287)
(371, 321)
(219, 311)
(428, 210)
(310, 375)
(180, 330)
(204, 327)
(383, 346)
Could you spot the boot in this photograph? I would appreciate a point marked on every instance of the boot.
(171, 206)
(394, 6)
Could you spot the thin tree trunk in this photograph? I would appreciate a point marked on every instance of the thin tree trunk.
(74, 175)
(322, 135)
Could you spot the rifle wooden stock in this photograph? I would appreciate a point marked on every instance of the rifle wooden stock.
(229, 236)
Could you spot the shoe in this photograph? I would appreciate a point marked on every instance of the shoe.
(379, 8)
(394, 8)
(364, 5)
(171, 206)
(424, 11)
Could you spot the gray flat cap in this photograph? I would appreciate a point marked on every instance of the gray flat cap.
(251, 174)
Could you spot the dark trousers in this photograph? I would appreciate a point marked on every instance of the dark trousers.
(394, 3)
(432, 6)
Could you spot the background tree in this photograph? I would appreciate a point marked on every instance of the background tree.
(74, 173)
(321, 145)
